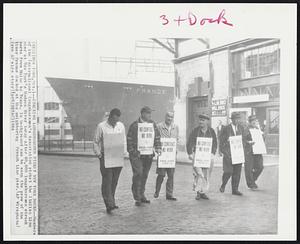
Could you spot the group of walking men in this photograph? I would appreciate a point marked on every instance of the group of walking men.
(141, 162)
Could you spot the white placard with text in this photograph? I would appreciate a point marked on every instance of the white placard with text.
(145, 138)
(113, 150)
(259, 146)
(237, 149)
(202, 156)
(167, 159)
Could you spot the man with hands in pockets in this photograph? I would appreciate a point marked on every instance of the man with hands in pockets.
(143, 138)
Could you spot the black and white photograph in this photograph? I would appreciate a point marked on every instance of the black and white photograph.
(146, 135)
(195, 91)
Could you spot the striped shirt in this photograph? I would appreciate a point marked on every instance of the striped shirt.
(171, 131)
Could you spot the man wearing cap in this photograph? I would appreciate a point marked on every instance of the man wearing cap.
(229, 169)
(254, 162)
(201, 175)
(140, 161)
(110, 176)
(170, 130)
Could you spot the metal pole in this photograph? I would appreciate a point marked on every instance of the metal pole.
(44, 138)
(61, 138)
(49, 137)
(83, 138)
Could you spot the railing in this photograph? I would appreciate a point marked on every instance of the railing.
(65, 145)
(79, 138)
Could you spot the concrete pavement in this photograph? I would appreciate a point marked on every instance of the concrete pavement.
(182, 157)
(70, 202)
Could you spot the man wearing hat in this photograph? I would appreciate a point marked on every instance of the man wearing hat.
(201, 175)
(229, 169)
(141, 161)
(254, 162)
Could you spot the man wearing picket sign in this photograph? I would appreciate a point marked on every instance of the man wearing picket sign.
(201, 148)
(166, 162)
(254, 159)
(143, 140)
(232, 142)
(110, 147)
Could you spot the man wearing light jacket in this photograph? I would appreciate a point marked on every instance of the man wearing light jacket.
(110, 176)
(167, 129)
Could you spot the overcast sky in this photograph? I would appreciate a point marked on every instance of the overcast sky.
(79, 58)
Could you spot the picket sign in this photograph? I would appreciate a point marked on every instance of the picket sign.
(259, 146)
(202, 156)
(167, 159)
(145, 138)
(237, 149)
(113, 150)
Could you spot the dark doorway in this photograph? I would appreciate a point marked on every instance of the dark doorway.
(196, 106)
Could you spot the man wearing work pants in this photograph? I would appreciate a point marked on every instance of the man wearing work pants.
(202, 175)
(110, 176)
(167, 129)
(140, 162)
(254, 162)
(230, 170)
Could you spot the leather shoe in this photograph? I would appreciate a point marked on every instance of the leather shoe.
(145, 200)
(198, 197)
(155, 195)
(109, 209)
(222, 189)
(171, 198)
(238, 193)
(138, 203)
(203, 196)
(253, 188)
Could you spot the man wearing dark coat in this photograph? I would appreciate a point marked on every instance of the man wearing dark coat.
(202, 175)
(140, 162)
(229, 169)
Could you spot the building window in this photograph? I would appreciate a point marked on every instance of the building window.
(202, 103)
(67, 119)
(51, 106)
(260, 61)
(51, 132)
(51, 120)
(68, 132)
(274, 121)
